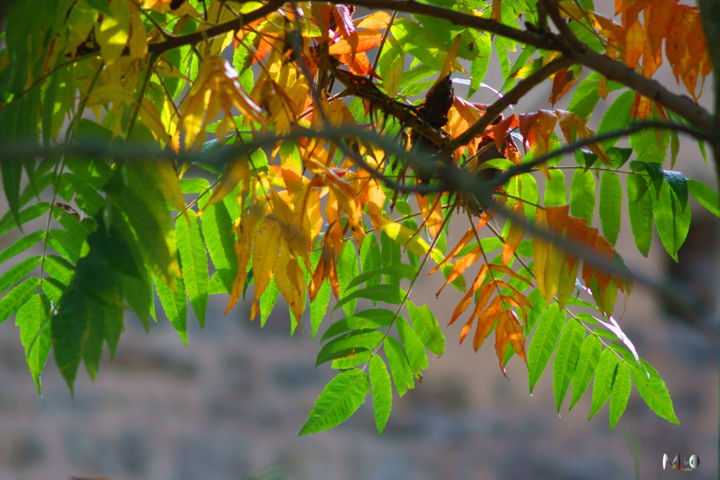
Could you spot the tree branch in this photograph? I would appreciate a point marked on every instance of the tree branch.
(584, 142)
(512, 97)
(229, 26)
(612, 69)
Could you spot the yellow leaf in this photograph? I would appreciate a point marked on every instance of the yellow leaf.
(236, 171)
(113, 32)
(266, 246)
(514, 236)
(410, 240)
(291, 282)
(138, 35)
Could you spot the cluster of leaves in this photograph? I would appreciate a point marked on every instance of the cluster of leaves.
(317, 191)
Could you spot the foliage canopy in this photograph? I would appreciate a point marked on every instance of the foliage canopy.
(306, 150)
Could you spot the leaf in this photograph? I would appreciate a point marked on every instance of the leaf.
(381, 392)
(427, 328)
(604, 376)
(318, 307)
(705, 196)
(340, 398)
(653, 390)
(582, 195)
(174, 305)
(640, 210)
(566, 359)
(378, 293)
(194, 263)
(610, 205)
(399, 367)
(217, 231)
(18, 272)
(543, 342)
(113, 32)
(366, 339)
(365, 319)
(555, 190)
(16, 298)
(417, 359)
(21, 245)
(34, 323)
(620, 393)
(587, 362)
(397, 271)
(672, 221)
(266, 245)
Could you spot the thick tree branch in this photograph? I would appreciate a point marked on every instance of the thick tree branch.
(584, 142)
(229, 26)
(512, 97)
(612, 69)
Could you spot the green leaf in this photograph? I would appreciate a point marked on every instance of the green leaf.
(396, 271)
(18, 272)
(653, 390)
(349, 343)
(341, 397)
(610, 205)
(641, 212)
(381, 392)
(399, 367)
(318, 307)
(268, 301)
(370, 258)
(480, 62)
(427, 328)
(582, 195)
(617, 116)
(11, 175)
(17, 297)
(566, 359)
(587, 362)
(417, 358)
(365, 319)
(604, 376)
(21, 245)
(68, 331)
(377, 293)
(194, 263)
(585, 96)
(705, 196)
(7, 222)
(34, 324)
(217, 231)
(174, 305)
(543, 342)
(555, 190)
(347, 269)
(620, 393)
(672, 221)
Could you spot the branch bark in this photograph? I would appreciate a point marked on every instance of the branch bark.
(612, 69)
(512, 97)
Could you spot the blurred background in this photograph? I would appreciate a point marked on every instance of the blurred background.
(230, 404)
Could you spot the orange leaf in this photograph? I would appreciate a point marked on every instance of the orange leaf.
(641, 107)
(562, 81)
(514, 236)
(634, 44)
(465, 301)
(376, 21)
(360, 41)
(460, 266)
(485, 322)
(509, 329)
